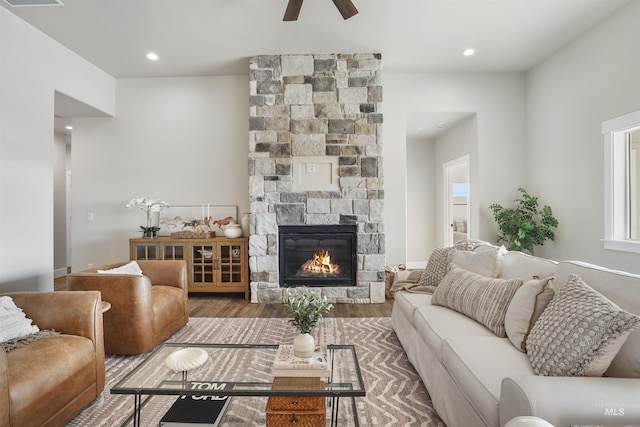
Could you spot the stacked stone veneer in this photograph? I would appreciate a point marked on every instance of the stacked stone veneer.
(316, 105)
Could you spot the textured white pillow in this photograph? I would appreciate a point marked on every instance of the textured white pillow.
(129, 268)
(486, 262)
(579, 332)
(484, 299)
(526, 307)
(13, 322)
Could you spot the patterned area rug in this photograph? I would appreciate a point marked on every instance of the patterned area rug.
(395, 394)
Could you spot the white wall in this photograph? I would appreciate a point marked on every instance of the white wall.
(497, 168)
(32, 68)
(183, 140)
(593, 79)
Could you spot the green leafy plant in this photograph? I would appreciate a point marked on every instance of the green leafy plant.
(307, 309)
(525, 226)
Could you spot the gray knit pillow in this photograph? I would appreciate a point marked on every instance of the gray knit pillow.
(437, 267)
(575, 330)
(484, 299)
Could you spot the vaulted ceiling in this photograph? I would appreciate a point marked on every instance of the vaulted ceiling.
(216, 37)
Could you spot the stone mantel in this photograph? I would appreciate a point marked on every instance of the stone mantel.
(304, 106)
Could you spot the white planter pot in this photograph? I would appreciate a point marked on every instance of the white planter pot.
(303, 345)
(233, 230)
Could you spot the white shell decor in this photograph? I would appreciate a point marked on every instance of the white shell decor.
(186, 359)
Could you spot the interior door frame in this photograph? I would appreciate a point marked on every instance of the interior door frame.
(448, 197)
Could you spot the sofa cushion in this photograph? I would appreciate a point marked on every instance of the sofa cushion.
(525, 308)
(406, 303)
(572, 335)
(483, 299)
(484, 262)
(622, 289)
(478, 364)
(516, 264)
(435, 324)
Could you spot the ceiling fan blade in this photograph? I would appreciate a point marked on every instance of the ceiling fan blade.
(293, 10)
(346, 8)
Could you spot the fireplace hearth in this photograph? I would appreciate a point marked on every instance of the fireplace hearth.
(317, 255)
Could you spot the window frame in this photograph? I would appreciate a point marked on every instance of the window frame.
(616, 220)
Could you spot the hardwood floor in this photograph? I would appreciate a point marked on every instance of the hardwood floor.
(234, 305)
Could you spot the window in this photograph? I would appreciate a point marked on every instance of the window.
(622, 176)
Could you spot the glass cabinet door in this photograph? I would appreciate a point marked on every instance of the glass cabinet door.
(202, 265)
(144, 251)
(175, 252)
(230, 264)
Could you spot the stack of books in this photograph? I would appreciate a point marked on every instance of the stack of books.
(286, 364)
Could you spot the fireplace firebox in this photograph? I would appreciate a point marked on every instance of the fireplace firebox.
(317, 255)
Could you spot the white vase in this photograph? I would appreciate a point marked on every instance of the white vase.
(303, 345)
(233, 230)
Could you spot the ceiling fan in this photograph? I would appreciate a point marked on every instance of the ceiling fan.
(346, 8)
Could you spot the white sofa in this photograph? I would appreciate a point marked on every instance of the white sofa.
(476, 378)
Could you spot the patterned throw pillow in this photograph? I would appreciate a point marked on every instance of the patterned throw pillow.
(573, 334)
(484, 299)
(437, 267)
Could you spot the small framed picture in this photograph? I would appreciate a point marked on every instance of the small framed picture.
(203, 217)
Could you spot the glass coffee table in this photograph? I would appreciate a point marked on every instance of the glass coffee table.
(242, 371)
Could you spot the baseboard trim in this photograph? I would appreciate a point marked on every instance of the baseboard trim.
(60, 272)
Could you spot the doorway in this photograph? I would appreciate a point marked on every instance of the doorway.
(457, 224)
(65, 109)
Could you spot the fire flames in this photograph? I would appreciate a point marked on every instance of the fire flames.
(320, 264)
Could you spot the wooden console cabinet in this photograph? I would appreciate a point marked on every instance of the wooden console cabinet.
(218, 264)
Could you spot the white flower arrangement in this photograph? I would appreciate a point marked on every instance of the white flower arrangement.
(150, 206)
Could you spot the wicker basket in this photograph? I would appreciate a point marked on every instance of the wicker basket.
(193, 234)
(295, 402)
(295, 410)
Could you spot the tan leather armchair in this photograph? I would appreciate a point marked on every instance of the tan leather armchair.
(145, 310)
(49, 381)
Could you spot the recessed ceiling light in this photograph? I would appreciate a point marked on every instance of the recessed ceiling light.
(68, 127)
(468, 52)
(152, 56)
(440, 126)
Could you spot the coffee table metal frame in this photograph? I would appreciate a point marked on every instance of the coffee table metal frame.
(333, 391)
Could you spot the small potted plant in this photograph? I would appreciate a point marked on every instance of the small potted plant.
(307, 308)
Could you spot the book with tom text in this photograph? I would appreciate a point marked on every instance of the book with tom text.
(196, 410)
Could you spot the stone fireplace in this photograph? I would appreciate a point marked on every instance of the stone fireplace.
(315, 159)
